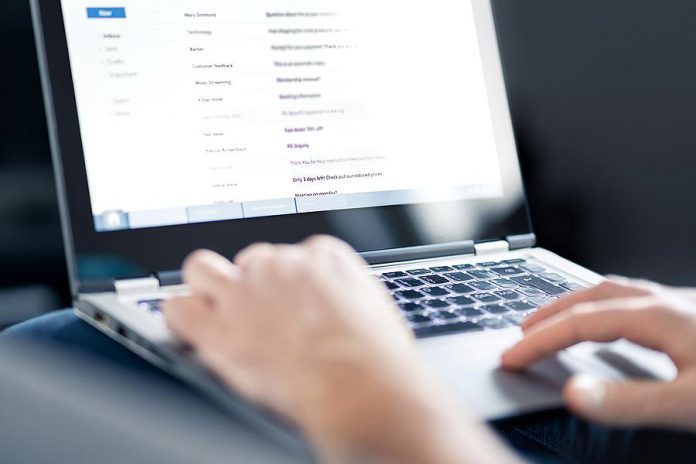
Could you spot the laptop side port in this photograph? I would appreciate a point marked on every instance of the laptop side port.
(102, 319)
(107, 322)
(114, 327)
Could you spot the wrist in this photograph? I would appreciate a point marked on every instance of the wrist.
(388, 409)
(358, 411)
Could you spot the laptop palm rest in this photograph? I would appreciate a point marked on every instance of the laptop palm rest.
(470, 366)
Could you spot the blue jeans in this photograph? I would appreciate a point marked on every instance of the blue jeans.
(550, 437)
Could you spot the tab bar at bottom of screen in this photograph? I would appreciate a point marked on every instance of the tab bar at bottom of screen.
(121, 220)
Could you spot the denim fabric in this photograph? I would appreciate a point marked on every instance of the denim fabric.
(65, 330)
(576, 440)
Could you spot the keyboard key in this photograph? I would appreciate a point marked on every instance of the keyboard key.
(515, 261)
(435, 279)
(531, 292)
(459, 288)
(541, 284)
(485, 297)
(543, 301)
(483, 286)
(572, 286)
(411, 307)
(458, 276)
(410, 295)
(154, 306)
(452, 328)
(435, 291)
(419, 318)
(553, 277)
(505, 283)
(508, 295)
(461, 301)
(470, 312)
(436, 304)
(489, 264)
(515, 318)
(520, 306)
(508, 271)
(447, 315)
(394, 275)
(483, 274)
(495, 309)
(464, 267)
(410, 282)
(391, 285)
(417, 272)
(442, 269)
(533, 267)
(493, 324)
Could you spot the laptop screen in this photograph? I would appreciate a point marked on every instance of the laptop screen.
(196, 111)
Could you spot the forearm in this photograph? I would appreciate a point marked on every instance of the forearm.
(383, 420)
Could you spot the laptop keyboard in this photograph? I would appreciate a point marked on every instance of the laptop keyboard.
(462, 298)
(465, 298)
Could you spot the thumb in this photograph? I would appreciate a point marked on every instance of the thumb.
(627, 403)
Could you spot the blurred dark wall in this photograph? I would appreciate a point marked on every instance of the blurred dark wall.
(604, 100)
(30, 244)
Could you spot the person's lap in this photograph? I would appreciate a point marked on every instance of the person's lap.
(553, 436)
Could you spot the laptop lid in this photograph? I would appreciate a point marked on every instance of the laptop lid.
(189, 124)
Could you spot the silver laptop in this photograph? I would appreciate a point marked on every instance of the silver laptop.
(216, 124)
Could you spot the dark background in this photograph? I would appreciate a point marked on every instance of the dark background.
(603, 96)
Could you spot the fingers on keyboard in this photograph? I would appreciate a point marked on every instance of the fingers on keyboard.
(473, 297)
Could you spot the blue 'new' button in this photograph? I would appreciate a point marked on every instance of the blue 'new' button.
(106, 13)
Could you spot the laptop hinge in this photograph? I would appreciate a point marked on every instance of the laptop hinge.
(131, 286)
(418, 252)
(167, 278)
(95, 286)
(511, 242)
(490, 248)
(517, 242)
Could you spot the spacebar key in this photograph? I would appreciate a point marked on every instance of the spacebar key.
(541, 284)
(456, 327)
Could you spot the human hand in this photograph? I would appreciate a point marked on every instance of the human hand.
(306, 331)
(651, 315)
(278, 320)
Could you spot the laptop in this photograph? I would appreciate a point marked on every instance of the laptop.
(216, 124)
